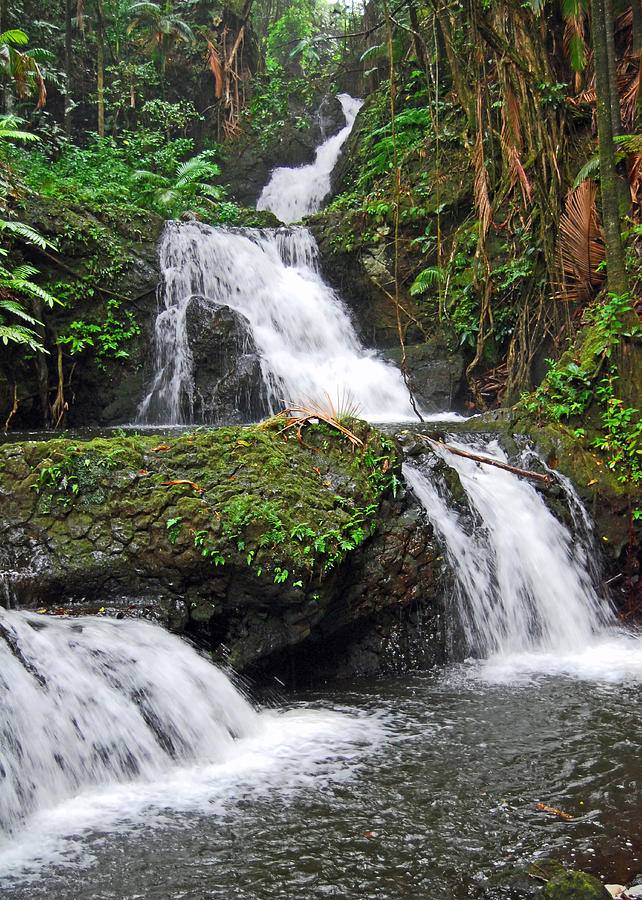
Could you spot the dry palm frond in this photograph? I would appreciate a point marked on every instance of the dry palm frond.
(305, 412)
(214, 62)
(581, 245)
(512, 141)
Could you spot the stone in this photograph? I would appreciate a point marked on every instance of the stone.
(225, 565)
(568, 885)
(227, 382)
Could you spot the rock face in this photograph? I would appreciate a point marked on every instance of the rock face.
(105, 270)
(228, 386)
(278, 556)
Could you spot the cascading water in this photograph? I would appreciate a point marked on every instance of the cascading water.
(91, 705)
(101, 701)
(303, 334)
(292, 193)
(521, 581)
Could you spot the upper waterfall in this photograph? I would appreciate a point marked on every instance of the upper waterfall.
(302, 332)
(293, 193)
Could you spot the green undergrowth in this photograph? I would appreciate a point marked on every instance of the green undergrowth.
(233, 496)
(586, 392)
(140, 170)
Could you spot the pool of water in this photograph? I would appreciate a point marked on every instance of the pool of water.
(421, 786)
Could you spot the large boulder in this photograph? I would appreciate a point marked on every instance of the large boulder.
(299, 557)
(227, 383)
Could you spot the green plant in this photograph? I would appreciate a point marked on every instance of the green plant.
(174, 527)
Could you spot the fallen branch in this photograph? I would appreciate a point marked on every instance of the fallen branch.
(487, 460)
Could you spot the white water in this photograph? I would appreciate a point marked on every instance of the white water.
(106, 723)
(293, 193)
(303, 333)
(522, 585)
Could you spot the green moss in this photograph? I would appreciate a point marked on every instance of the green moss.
(574, 886)
(252, 495)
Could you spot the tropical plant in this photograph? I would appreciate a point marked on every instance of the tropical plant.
(17, 282)
(19, 68)
(191, 182)
(164, 30)
(581, 245)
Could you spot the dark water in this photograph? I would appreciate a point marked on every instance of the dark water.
(433, 791)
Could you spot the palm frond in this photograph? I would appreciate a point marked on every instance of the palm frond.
(20, 334)
(581, 245)
(426, 279)
(214, 62)
(194, 169)
(17, 309)
(588, 170)
(481, 185)
(312, 410)
(14, 36)
(26, 233)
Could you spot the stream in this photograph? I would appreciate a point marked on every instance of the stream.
(130, 767)
(422, 786)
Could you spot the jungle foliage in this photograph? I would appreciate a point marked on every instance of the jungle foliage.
(476, 164)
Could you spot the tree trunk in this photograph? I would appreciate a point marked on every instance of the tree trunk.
(417, 39)
(615, 267)
(636, 14)
(616, 114)
(100, 63)
(68, 65)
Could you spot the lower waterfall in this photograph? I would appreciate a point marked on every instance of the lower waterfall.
(521, 580)
(101, 719)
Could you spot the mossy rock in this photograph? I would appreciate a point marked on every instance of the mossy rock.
(574, 886)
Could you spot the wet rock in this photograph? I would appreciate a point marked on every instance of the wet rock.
(227, 382)
(574, 886)
(232, 537)
(436, 374)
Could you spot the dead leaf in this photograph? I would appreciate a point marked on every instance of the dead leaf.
(160, 447)
(199, 490)
(557, 812)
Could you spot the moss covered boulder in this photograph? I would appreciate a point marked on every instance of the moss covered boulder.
(574, 886)
(260, 545)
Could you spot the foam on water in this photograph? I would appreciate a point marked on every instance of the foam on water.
(107, 724)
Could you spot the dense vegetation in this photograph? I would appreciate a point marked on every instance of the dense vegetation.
(487, 130)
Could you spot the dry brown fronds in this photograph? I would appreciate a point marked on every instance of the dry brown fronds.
(581, 246)
(512, 141)
(306, 412)
(482, 198)
(214, 62)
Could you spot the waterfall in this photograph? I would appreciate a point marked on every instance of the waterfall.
(303, 335)
(98, 701)
(105, 721)
(293, 193)
(521, 581)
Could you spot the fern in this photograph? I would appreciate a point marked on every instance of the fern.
(427, 279)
